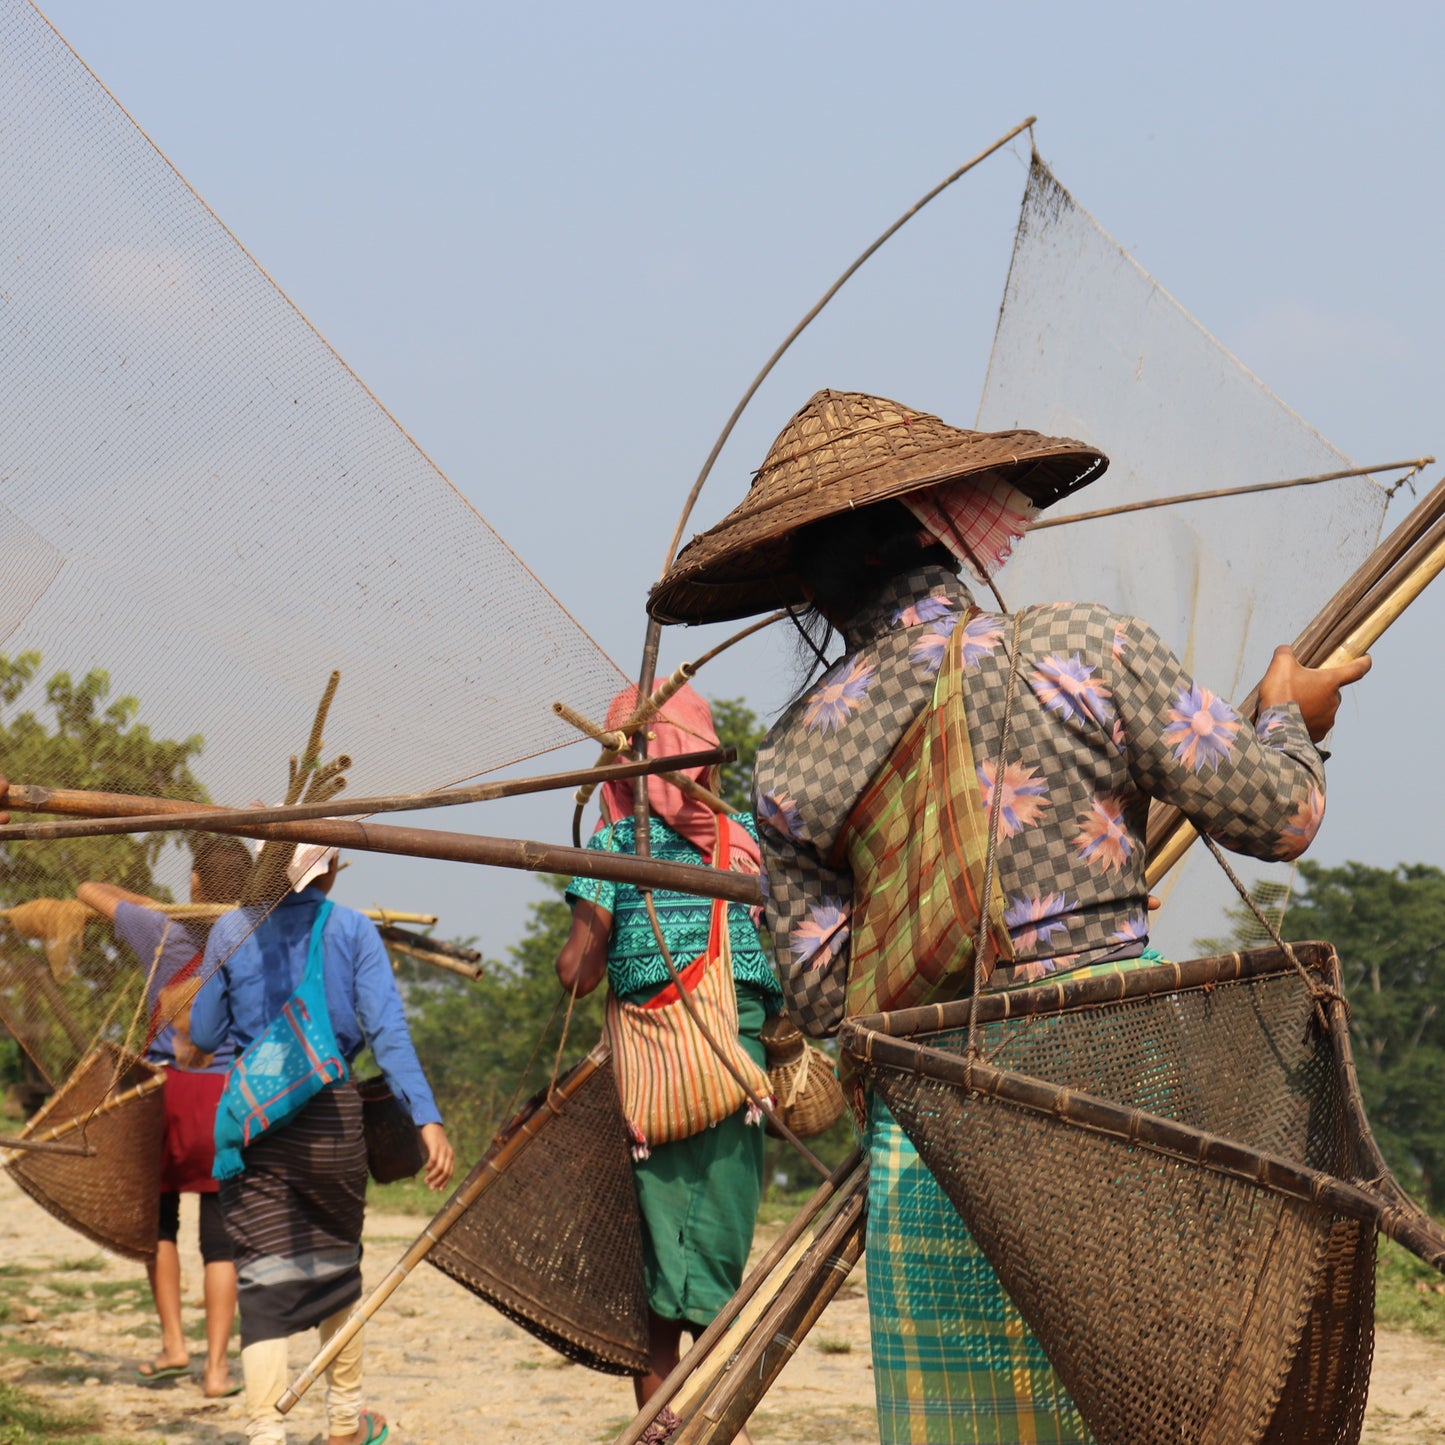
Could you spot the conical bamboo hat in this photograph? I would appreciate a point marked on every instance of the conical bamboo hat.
(847, 449)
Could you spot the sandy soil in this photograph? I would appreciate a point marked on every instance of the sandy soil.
(445, 1368)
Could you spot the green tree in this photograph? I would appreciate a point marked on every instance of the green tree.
(1388, 925)
(737, 727)
(85, 743)
(77, 738)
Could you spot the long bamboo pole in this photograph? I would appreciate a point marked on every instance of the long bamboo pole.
(12, 1141)
(520, 853)
(172, 813)
(740, 1311)
(492, 1166)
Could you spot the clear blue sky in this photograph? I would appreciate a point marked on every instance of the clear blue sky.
(557, 241)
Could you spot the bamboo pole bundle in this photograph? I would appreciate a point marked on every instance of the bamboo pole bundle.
(752, 1370)
(1358, 615)
(739, 1319)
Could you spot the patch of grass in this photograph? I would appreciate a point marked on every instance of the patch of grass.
(406, 1196)
(831, 1345)
(1406, 1295)
(27, 1420)
(87, 1264)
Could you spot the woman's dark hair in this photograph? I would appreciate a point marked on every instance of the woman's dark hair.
(844, 559)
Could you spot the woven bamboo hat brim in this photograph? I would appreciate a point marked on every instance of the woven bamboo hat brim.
(847, 449)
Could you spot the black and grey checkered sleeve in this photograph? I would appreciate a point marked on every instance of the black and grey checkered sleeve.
(1258, 791)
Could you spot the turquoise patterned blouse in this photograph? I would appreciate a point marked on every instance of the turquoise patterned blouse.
(633, 961)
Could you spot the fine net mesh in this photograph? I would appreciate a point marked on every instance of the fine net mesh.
(204, 514)
(1089, 345)
(1254, 1308)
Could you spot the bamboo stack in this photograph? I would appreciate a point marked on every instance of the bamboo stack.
(1354, 619)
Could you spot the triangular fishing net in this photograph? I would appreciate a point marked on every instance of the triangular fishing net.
(1089, 345)
(1171, 1171)
(203, 514)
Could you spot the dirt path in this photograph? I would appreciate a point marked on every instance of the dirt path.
(446, 1369)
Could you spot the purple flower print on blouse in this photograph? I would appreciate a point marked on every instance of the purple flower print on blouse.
(839, 695)
(1102, 840)
(1033, 919)
(1300, 831)
(1025, 796)
(780, 814)
(1201, 728)
(819, 936)
(1067, 686)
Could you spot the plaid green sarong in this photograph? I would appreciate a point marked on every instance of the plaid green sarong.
(953, 1361)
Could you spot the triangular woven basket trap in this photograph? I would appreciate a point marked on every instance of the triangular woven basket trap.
(113, 1195)
(555, 1241)
(1171, 1171)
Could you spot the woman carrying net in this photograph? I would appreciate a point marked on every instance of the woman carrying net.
(699, 1193)
(875, 791)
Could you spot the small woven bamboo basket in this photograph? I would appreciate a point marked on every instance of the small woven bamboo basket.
(555, 1241)
(1171, 1171)
(806, 1092)
(114, 1103)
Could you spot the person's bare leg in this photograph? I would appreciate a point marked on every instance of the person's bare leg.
(664, 1342)
(663, 1338)
(164, 1273)
(219, 1287)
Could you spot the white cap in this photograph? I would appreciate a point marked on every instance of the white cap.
(308, 863)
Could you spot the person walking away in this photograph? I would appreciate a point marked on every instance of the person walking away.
(170, 953)
(863, 512)
(698, 1195)
(295, 1209)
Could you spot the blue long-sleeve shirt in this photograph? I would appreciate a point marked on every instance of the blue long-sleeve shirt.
(252, 973)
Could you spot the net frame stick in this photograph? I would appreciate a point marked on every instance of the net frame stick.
(1411, 467)
(170, 813)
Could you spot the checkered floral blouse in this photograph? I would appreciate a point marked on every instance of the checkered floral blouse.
(1105, 718)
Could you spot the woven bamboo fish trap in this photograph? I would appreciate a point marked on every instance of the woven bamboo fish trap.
(555, 1240)
(114, 1103)
(1171, 1171)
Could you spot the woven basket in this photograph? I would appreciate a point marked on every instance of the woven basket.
(843, 450)
(112, 1197)
(394, 1149)
(555, 1242)
(806, 1092)
(1171, 1171)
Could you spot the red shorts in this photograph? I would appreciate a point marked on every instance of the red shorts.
(190, 1146)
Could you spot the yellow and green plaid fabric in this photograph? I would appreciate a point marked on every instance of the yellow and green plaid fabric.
(916, 842)
(953, 1361)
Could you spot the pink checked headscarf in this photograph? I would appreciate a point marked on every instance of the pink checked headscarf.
(683, 726)
(977, 518)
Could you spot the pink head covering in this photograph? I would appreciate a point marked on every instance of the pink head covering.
(683, 726)
(977, 518)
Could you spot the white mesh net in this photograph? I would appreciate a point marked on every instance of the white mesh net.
(200, 501)
(1090, 346)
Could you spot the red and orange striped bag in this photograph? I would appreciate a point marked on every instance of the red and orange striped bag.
(672, 1082)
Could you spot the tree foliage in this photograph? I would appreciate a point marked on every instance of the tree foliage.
(1388, 925)
(86, 742)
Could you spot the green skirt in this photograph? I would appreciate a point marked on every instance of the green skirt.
(699, 1199)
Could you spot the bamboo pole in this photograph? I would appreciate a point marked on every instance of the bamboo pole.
(460, 967)
(739, 1310)
(1218, 493)
(209, 912)
(59, 1131)
(772, 1343)
(492, 1166)
(1351, 636)
(15, 1141)
(162, 814)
